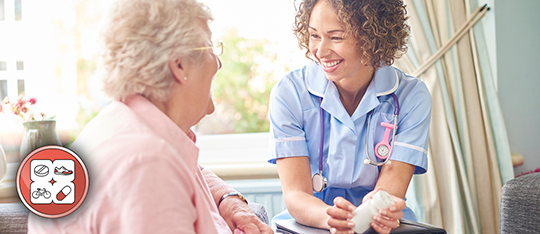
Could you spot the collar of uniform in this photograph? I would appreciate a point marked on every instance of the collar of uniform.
(318, 85)
(385, 81)
(165, 128)
(316, 81)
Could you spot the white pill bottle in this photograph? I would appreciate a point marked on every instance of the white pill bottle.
(363, 215)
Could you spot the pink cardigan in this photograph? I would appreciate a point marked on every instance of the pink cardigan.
(144, 177)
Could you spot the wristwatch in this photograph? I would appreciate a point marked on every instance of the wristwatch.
(232, 194)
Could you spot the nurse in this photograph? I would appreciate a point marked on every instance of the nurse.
(327, 115)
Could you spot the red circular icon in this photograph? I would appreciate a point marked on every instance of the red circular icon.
(52, 181)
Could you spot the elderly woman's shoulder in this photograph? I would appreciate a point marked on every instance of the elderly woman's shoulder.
(125, 154)
(117, 132)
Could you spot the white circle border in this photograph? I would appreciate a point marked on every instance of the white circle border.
(83, 197)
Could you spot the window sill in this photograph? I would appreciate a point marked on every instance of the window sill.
(237, 156)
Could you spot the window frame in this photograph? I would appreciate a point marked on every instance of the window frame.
(12, 76)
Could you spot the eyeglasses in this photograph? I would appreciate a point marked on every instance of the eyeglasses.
(217, 48)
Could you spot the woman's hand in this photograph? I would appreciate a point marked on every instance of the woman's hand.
(241, 219)
(387, 219)
(340, 216)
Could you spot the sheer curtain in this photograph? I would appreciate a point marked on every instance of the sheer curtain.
(469, 155)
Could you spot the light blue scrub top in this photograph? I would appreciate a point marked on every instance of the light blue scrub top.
(296, 127)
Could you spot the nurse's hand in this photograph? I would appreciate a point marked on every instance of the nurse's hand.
(340, 216)
(387, 219)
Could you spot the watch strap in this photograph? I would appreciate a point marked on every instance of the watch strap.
(237, 194)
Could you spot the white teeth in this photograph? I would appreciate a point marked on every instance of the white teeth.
(332, 63)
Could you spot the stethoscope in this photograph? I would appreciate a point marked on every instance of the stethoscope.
(383, 149)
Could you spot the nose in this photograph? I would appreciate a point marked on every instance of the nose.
(322, 49)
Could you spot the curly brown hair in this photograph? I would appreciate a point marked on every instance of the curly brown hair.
(378, 26)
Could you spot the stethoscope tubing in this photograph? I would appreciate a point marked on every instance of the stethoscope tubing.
(368, 160)
(321, 146)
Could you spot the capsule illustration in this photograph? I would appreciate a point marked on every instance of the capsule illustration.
(66, 190)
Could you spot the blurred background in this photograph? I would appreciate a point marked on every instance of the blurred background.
(49, 50)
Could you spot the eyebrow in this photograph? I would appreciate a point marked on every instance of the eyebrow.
(331, 31)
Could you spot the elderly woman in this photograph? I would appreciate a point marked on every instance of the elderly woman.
(159, 63)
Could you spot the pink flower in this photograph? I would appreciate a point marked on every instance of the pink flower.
(32, 101)
(20, 102)
(23, 107)
(30, 117)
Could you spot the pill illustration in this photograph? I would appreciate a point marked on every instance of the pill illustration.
(63, 193)
(41, 170)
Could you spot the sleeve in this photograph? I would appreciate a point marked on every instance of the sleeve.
(412, 134)
(153, 195)
(288, 138)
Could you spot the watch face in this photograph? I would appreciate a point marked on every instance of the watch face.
(382, 150)
(318, 183)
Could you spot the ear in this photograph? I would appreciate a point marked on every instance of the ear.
(177, 70)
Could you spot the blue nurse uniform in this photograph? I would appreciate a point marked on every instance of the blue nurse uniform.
(295, 107)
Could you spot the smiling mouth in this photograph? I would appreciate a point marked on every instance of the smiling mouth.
(331, 64)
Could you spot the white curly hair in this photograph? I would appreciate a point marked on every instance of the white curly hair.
(138, 39)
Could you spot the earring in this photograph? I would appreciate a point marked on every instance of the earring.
(185, 78)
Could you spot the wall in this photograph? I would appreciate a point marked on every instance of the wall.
(517, 26)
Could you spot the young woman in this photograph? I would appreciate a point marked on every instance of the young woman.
(335, 122)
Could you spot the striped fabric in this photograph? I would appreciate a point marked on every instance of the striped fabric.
(469, 154)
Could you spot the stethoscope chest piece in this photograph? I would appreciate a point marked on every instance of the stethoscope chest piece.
(319, 182)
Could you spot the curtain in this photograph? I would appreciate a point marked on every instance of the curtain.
(469, 154)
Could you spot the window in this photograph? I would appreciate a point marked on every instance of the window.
(20, 65)
(18, 10)
(12, 83)
(3, 89)
(256, 55)
(2, 17)
(20, 82)
(3, 83)
(20, 87)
